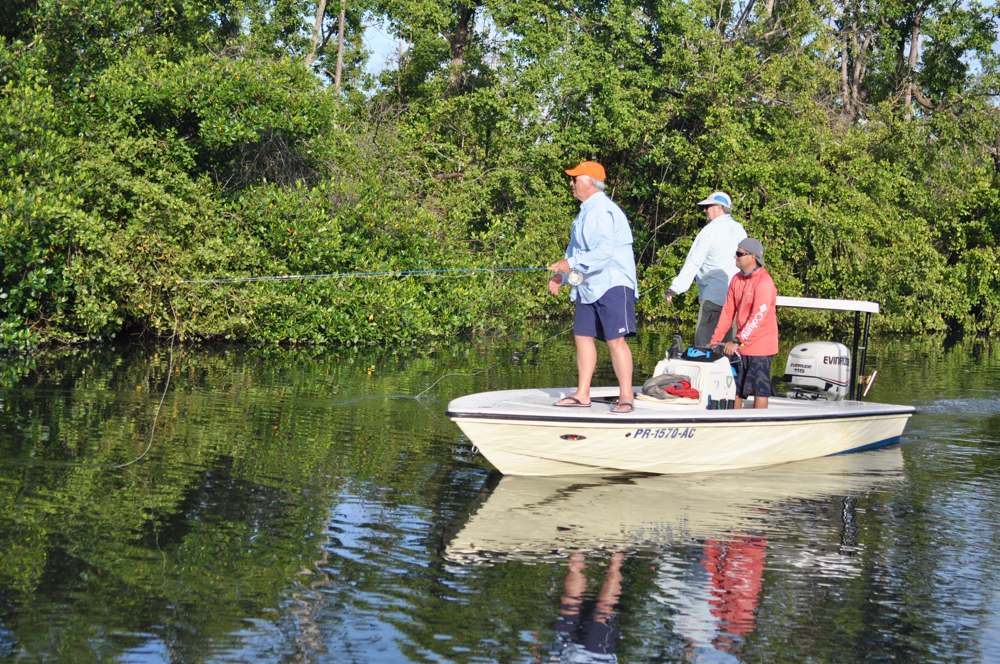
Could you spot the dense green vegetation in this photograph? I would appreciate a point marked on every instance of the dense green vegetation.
(144, 146)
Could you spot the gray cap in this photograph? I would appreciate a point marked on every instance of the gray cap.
(752, 246)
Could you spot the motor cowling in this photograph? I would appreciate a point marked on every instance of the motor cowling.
(818, 370)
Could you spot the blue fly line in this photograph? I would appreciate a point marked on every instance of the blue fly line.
(402, 274)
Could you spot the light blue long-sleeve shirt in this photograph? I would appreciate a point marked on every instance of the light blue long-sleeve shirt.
(600, 246)
(711, 261)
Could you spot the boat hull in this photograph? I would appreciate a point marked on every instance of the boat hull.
(518, 437)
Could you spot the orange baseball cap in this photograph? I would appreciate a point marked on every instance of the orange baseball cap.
(591, 168)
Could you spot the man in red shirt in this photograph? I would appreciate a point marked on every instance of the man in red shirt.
(750, 301)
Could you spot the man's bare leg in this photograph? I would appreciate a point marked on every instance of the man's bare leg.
(611, 589)
(758, 402)
(574, 585)
(621, 360)
(586, 362)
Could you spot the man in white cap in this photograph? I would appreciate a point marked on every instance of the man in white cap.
(709, 264)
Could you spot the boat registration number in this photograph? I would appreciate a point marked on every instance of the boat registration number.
(663, 432)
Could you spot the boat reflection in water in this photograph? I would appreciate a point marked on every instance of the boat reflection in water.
(707, 534)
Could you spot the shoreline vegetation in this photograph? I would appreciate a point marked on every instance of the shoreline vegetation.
(145, 146)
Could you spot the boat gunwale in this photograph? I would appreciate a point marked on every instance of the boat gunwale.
(679, 419)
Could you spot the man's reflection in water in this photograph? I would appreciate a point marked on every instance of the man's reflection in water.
(736, 569)
(715, 601)
(587, 630)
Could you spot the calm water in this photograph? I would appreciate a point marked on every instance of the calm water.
(301, 506)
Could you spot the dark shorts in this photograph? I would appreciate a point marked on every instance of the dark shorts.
(596, 636)
(708, 317)
(611, 317)
(753, 376)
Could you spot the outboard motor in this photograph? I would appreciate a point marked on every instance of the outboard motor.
(818, 370)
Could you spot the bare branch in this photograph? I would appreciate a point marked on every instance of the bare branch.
(922, 99)
(744, 16)
(317, 32)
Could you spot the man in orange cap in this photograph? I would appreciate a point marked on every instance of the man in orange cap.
(600, 267)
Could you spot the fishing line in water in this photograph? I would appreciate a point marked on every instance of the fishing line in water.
(330, 275)
(485, 369)
(159, 406)
(298, 277)
(346, 275)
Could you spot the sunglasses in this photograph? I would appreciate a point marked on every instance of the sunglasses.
(741, 254)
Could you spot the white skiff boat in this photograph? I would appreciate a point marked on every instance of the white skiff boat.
(521, 432)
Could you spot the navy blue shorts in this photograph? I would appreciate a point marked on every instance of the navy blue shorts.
(611, 317)
(753, 376)
(588, 630)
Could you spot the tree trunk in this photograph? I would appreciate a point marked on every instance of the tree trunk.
(845, 87)
(317, 33)
(856, 36)
(860, 68)
(340, 46)
(911, 64)
(458, 42)
(996, 155)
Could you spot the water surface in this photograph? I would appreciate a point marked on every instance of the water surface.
(312, 506)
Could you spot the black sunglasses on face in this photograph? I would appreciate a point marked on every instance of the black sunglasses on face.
(741, 254)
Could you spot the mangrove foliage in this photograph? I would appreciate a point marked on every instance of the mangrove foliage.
(146, 146)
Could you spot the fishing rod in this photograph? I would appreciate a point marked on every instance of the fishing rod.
(400, 274)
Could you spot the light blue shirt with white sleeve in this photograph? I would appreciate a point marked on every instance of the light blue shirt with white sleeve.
(600, 246)
(711, 261)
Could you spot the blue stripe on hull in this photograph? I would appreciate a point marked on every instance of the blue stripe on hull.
(870, 446)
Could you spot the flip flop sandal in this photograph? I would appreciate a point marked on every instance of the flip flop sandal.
(573, 403)
(622, 407)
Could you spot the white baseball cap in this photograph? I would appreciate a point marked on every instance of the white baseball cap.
(717, 198)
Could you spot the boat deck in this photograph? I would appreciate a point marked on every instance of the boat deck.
(537, 405)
